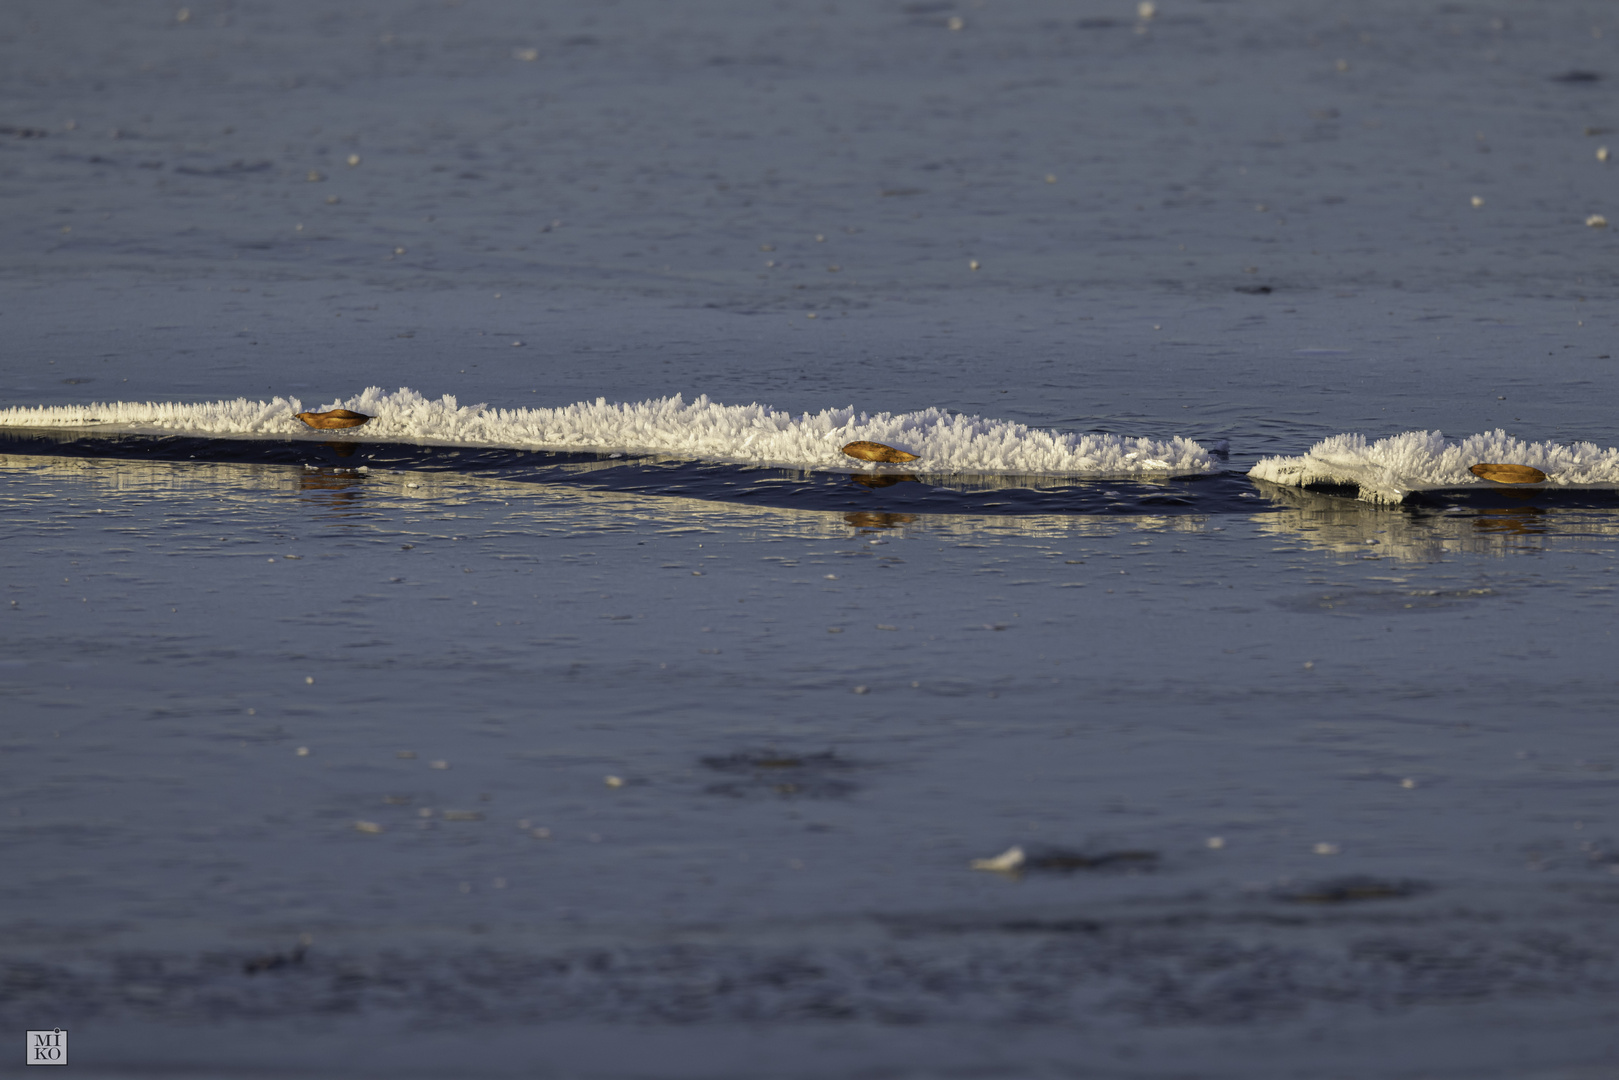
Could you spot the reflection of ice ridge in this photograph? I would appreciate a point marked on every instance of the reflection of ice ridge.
(702, 429)
(1350, 527)
(1391, 469)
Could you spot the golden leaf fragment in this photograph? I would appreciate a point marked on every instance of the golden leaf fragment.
(336, 418)
(876, 451)
(1508, 474)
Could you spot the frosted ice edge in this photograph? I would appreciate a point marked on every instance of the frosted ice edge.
(701, 429)
(1389, 470)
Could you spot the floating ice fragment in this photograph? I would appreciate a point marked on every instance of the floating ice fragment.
(1391, 469)
(1005, 862)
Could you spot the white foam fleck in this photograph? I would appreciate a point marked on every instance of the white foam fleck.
(1391, 469)
(700, 429)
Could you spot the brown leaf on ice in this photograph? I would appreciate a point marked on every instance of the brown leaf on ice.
(336, 418)
(1508, 474)
(876, 451)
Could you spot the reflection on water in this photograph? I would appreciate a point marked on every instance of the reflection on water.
(1527, 520)
(882, 480)
(1427, 534)
(340, 491)
(869, 520)
(254, 487)
(584, 468)
(655, 474)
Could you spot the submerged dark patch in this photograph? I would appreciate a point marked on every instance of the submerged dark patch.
(275, 960)
(1348, 890)
(1062, 861)
(783, 775)
(1385, 601)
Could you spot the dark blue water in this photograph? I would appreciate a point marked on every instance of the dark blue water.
(306, 747)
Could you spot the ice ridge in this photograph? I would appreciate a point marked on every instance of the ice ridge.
(1389, 470)
(702, 429)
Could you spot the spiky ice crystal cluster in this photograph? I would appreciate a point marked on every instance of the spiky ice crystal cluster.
(1389, 470)
(700, 429)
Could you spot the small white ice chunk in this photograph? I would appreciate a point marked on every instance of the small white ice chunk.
(1005, 862)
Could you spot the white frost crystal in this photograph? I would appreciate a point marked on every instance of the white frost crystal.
(1391, 469)
(701, 429)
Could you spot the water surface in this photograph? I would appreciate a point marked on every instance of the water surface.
(1308, 787)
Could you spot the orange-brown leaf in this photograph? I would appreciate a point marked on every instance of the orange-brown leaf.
(1508, 474)
(876, 451)
(336, 418)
